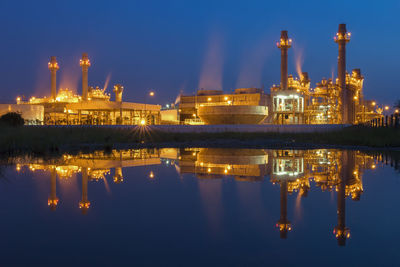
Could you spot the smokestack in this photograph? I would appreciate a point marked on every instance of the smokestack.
(118, 89)
(342, 38)
(85, 64)
(284, 44)
(53, 67)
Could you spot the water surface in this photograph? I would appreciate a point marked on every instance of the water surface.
(201, 206)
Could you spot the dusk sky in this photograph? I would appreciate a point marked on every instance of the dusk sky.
(179, 46)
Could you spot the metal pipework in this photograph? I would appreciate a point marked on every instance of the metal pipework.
(342, 38)
(284, 44)
(85, 64)
(53, 67)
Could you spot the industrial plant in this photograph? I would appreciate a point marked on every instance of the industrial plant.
(93, 107)
(293, 101)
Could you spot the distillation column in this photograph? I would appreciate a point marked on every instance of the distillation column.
(342, 38)
(53, 67)
(85, 64)
(284, 44)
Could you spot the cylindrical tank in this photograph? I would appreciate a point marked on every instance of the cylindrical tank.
(118, 90)
(232, 114)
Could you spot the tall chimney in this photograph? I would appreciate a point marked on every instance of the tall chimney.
(284, 44)
(342, 38)
(118, 89)
(85, 64)
(53, 67)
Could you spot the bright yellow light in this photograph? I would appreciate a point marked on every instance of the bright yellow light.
(143, 122)
(209, 170)
(209, 99)
(396, 111)
(225, 171)
(151, 93)
(226, 98)
(194, 115)
(386, 107)
(151, 175)
(373, 166)
(18, 99)
(373, 103)
(355, 98)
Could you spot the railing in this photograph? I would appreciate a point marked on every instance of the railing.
(392, 121)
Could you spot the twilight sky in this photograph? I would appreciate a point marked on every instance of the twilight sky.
(173, 46)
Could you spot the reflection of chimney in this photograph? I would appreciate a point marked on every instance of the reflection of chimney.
(53, 67)
(53, 200)
(348, 163)
(284, 44)
(342, 38)
(283, 223)
(84, 204)
(85, 64)
(118, 89)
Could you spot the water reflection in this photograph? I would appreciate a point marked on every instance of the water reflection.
(293, 170)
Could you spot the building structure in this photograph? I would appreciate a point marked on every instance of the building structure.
(93, 107)
(243, 106)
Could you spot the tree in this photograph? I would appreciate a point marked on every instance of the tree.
(397, 104)
(12, 119)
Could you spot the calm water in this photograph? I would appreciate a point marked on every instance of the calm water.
(201, 207)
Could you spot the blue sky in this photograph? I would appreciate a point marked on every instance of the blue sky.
(174, 46)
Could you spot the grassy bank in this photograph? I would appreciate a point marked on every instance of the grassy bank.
(47, 140)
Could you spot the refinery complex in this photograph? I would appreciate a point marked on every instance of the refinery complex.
(293, 101)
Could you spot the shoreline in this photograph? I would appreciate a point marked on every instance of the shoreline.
(56, 140)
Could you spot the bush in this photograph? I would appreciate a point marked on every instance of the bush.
(12, 119)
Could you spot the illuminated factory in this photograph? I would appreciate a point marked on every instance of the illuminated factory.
(293, 101)
(93, 107)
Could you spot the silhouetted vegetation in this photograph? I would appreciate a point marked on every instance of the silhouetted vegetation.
(55, 140)
(13, 119)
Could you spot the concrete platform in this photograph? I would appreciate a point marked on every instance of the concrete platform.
(263, 128)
